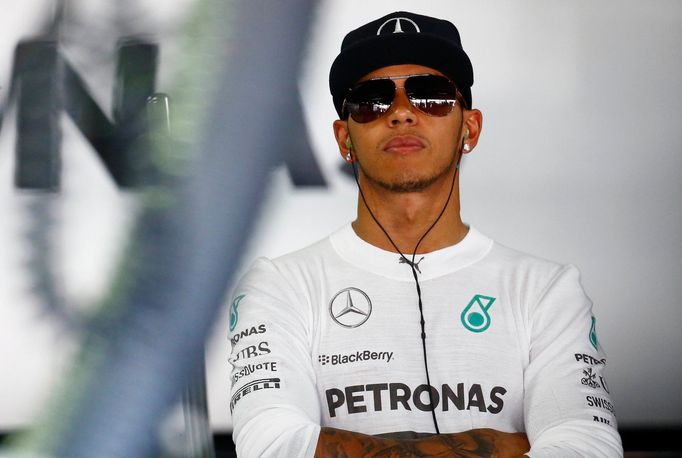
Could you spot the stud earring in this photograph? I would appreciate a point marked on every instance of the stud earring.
(349, 157)
(466, 148)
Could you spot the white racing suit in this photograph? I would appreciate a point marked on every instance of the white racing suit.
(330, 336)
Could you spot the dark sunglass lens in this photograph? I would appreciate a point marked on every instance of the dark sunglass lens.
(434, 95)
(369, 100)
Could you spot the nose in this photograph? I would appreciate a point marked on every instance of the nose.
(401, 111)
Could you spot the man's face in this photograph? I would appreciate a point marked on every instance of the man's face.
(405, 150)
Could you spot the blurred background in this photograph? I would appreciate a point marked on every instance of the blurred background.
(579, 162)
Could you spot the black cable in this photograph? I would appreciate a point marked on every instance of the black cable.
(414, 272)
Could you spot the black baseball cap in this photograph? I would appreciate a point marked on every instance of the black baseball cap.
(401, 38)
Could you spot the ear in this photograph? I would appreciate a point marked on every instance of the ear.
(473, 123)
(342, 137)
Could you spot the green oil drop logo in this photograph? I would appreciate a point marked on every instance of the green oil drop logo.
(593, 333)
(475, 316)
(234, 314)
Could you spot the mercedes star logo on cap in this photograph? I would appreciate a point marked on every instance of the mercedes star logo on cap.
(399, 25)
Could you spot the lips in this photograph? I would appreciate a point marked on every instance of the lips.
(404, 144)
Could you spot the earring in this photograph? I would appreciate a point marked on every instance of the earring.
(349, 157)
(466, 148)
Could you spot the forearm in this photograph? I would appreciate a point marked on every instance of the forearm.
(474, 443)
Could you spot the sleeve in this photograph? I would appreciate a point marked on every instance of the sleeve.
(273, 399)
(567, 405)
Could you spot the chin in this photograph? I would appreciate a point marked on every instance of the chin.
(406, 179)
(405, 185)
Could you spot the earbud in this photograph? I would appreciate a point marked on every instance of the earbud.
(349, 147)
(466, 148)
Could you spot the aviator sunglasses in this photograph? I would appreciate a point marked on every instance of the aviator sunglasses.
(369, 100)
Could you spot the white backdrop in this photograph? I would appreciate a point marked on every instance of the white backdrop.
(579, 162)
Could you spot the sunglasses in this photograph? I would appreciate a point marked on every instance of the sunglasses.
(369, 100)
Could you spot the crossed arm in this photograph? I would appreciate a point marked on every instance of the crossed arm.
(474, 443)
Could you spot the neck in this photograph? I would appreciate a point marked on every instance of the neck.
(406, 217)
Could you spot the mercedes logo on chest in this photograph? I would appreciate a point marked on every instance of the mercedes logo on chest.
(350, 307)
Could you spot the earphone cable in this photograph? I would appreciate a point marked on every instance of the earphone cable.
(414, 273)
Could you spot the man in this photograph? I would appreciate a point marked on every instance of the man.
(407, 332)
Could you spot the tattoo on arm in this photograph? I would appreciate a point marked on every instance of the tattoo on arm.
(474, 443)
